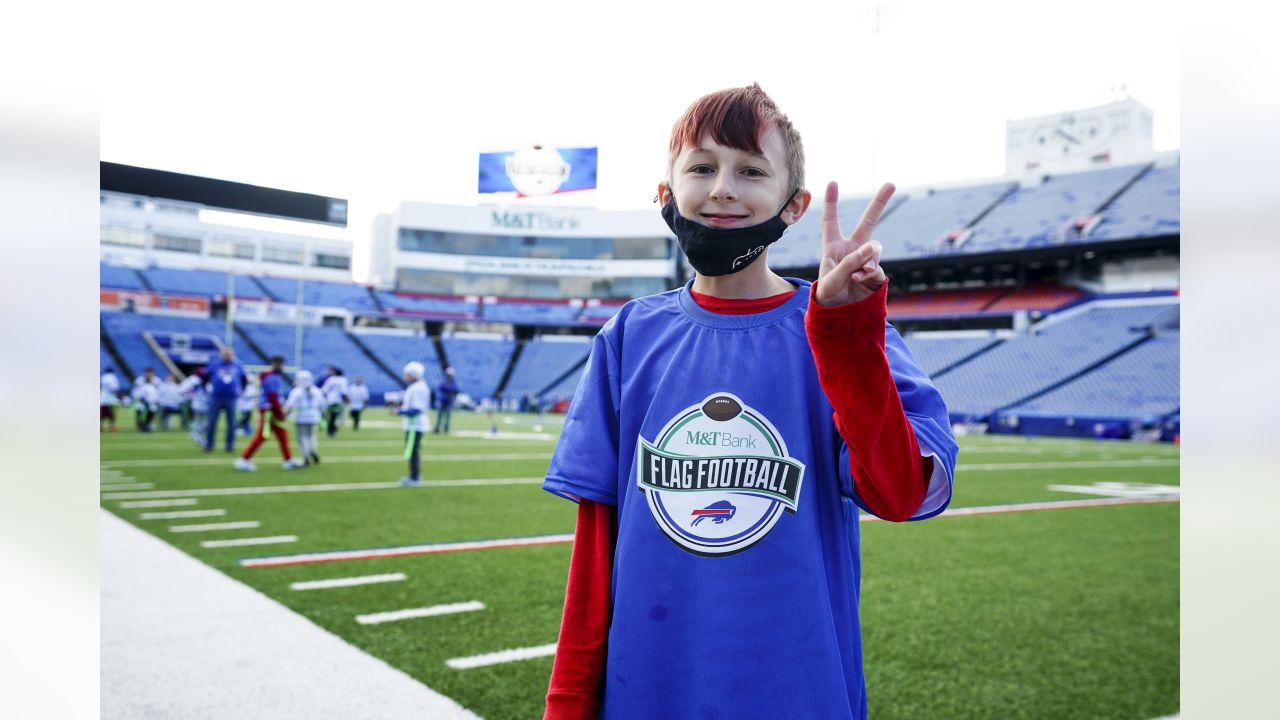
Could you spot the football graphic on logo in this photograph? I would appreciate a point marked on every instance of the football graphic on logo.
(721, 408)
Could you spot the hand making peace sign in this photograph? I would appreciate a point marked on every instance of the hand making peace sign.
(850, 270)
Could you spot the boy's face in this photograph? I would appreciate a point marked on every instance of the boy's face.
(723, 187)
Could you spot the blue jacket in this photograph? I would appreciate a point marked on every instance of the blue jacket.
(225, 380)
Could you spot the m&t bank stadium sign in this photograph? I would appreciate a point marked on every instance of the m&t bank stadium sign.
(519, 220)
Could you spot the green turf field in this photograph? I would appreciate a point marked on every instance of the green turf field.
(1062, 613)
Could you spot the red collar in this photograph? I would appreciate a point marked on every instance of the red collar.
(733, 306)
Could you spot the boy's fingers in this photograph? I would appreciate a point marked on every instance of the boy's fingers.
(872, 214)
(830, 218)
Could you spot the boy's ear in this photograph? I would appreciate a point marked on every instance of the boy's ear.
(797, 207)
(664, 193)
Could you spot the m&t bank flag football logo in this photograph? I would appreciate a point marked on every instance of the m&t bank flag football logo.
(718, 476)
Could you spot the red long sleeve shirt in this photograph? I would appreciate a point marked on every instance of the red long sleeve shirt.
(889, 474)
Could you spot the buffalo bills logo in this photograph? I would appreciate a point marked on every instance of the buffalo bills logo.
(718, 512)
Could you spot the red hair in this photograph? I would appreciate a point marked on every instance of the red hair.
(738, 118)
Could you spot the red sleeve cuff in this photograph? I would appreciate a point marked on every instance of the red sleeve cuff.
(571, 706)
(862, 320)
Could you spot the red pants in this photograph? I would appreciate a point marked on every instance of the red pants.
(265, 419)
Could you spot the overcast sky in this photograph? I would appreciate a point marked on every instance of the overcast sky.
(383, 102)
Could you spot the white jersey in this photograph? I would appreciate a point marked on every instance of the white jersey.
(170, 395)
(308, 401)
(358, 395)
(109, 385)
(335, 389)
(416, 397)
(145, 392)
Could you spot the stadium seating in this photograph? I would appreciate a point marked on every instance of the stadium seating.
(125, 330)
(427, 306)
(478, 361)
(1048, 355)
(398, 349)
(564, 389)
(598, 314)
(915, 228)
(321, 347)
(120, 278)
(105, 361)
(938, 351)
(543, 360)
(1034, 216)
(1045, 298)
(530, 313)
(355, 298)
(942, 302)
(1140, 383)
(199, 282)
(1150, 207)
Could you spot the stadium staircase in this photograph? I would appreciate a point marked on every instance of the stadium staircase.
(1124, 188)
(262, 356)
(1076, 376)
(377, 302)
(142, 277)
(440, 353)
(110, 345)
(373, 358)
(965, 359)
(576, 367)
(511, 365)
(265, 292)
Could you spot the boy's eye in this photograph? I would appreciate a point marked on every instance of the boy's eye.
(754, 172)
(701, 169)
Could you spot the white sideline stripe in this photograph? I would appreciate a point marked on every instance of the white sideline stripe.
(110, 483)
(206, 527)
(404, 550)
(153, 503)
(174, 515)
(347, 582)
(329, 487)
(126, 486)
(394, 615)
(399, 457)
(239, 542)
(1050, 505)
(502, 656)
(1153, 462)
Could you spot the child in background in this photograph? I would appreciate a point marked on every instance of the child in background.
(198, 400)
(335, 391)
(108, 386)
(271, 397)
(245, 403)
(146, 399)
(358, 397)
(309, 402)
(413, 408)
(170, 400)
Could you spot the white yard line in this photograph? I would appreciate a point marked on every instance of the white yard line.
(502, 656)
(402, 551)
(176, 514)
(154, 503)
(395, 615)
(214, 462)
(210, 527)
(242, 542)
(329, 487)
(126, 486)
(347, 581)
(1067, 465)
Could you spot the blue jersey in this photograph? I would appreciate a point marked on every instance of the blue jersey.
(736, 571)
(225, 379)
(272, 383)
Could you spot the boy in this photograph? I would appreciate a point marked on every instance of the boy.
(720, 444)
(335, 391)
(170, 396)
(146, 398)
(358, 397)
(307, 399)
(270, 414)
(413, 407)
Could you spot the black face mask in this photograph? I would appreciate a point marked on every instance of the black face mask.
(722, 251)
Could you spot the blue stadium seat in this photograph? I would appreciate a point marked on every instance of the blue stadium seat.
(322, 346)
(120, 278)
(199, 282)
(543, 360)
(936, 351)
(478, 361)
(1150, 207)
(398, 349)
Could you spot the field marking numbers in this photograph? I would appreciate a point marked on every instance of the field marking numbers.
(347, 582)
(395, 615)
(502, 656)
